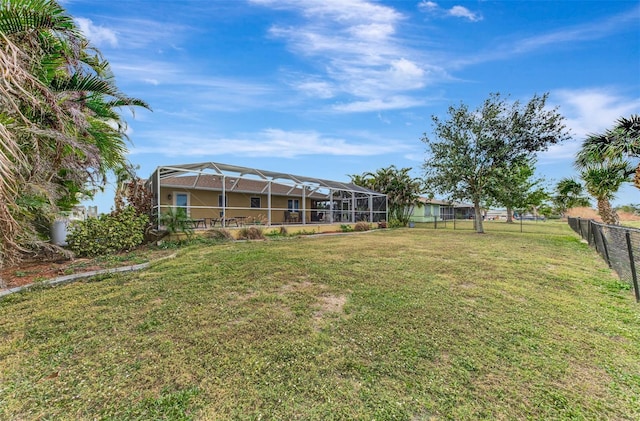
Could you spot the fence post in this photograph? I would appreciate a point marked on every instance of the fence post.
(604, 244)
(632, 263)
(580, 228)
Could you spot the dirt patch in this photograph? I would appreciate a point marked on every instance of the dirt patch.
(37, 270)
(332, 304)
(329, 305)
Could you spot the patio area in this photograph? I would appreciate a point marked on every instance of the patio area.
(221, 195)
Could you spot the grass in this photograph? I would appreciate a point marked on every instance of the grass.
(632, 224)
(398, 324)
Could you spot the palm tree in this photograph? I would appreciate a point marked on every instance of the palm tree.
(602, 182)
(569, 195)
(59, 128)
(620, 143)
(604, 162)
(402, 191)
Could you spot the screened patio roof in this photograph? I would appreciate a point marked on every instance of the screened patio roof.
(227, 170)
(340, 201)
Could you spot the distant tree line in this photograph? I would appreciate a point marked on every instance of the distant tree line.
(487, 156)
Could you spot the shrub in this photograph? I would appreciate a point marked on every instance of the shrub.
(109, 233)
(346, 228)
(219, 234)
(395, 223)
(176, 220)
(250, 233)
(362, 226)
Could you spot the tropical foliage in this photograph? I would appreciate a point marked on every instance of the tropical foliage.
(621, 143)
(473, 150)
(602, 181)
(608, 160)
(569, 193)
(60, 130)
(401, 189)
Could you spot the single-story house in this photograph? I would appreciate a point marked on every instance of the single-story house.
(213, 193)
(428, 210)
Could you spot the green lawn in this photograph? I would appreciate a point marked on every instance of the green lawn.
(413, 324)
(632, 224)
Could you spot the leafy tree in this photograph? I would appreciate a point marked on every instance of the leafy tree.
(401, 189)
(60, 132)
(569, 193)
(515, 188)
(473, 149)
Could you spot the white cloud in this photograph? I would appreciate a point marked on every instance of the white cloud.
(426, 6)
(357, 48)
(315, 88)
(393, 103)
(266, 143)
(405, 74)
(593, 110)
(456, 11)
(337, 10)
(463, 12)
(372, 31)
(98, 35)
(587, 111)
(550, 40)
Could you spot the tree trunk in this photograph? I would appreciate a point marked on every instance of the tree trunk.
(636, 179)
(478, 218)
(607, 212)
(509, 216)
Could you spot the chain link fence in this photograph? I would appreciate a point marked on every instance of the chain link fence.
(618, 246)
(529, 226)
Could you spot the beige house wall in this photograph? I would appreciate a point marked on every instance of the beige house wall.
(204, 204)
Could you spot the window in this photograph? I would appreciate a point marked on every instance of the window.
(427, 209)
(221, 203)
(255, 202)
(182, 201)
(293, 205)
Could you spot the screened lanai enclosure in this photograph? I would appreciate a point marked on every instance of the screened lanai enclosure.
(213, 194)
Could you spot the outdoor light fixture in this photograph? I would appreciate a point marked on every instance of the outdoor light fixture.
(169, 196)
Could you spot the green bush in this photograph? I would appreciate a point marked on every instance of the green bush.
(109, 233)
(395, 223)
(346, 228)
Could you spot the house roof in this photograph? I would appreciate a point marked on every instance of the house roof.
(242, 174)
(237, 185)
(427, 200)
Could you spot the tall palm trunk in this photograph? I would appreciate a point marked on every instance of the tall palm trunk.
(607, 212)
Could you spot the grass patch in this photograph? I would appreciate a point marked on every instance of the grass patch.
(396, 324)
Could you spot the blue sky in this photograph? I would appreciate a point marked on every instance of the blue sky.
(328, 88)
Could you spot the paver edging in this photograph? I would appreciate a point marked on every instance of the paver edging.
(74, 277)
